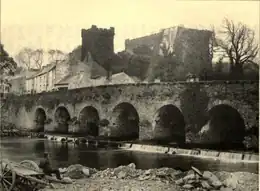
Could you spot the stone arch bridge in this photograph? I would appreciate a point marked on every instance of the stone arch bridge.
(156, 111)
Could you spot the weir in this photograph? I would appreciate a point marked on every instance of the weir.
(196, 152)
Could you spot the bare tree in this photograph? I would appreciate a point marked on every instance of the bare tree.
(238, 42)
(56, 55)
(37, 56)
(25, 57)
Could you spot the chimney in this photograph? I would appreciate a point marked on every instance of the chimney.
(109, 74)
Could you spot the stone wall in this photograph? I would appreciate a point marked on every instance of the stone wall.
(99, 42)
(151, 41)
(177, 51)
(194, 100)
(192, 50)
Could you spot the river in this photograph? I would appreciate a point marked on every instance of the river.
(62, 155)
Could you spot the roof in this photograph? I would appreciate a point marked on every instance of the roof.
(121, 78)
(96, 69)
(136, 79)
(83, 80)
(66, 80)
(44, 70)
(22, 74)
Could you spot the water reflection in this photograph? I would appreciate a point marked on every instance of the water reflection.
(63, 155)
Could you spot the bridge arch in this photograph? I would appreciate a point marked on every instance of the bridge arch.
(62, 118)
(225, 126)
(89, 121)
(39, 119)
(246, 111)
(169, 124)
(125, 119)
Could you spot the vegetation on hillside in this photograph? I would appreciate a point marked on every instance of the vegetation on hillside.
(7, 63)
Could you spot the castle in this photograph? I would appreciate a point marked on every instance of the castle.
(99, 42)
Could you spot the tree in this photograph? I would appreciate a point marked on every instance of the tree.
(30, 58)
(37, 56)
(238, 42)
(25, 57)
(75, 55)
(7, 63)
(56, 55)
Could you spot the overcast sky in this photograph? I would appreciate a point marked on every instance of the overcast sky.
(56, 24)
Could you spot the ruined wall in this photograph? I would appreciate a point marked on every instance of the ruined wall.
(177, 51)
(192, 51)
(99, 42)
(150, 41)
(194, 100)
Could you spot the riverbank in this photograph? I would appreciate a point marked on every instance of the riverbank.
(131, 179)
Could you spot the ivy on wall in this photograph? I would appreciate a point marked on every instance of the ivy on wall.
(194, 103)
(48, 121)
(194, 97)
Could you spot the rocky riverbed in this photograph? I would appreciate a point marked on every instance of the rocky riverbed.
(131, 179)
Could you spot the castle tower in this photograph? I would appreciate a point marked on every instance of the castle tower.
(99, 43)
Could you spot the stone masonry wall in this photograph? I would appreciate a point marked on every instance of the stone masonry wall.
(189, 48)
(151, 41)
(194, 100)
(99, 42)
(192, 51)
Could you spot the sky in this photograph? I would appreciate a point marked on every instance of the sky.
(57, 24)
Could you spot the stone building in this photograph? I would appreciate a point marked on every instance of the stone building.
(18, 81)
(83, 74)
(99, 43)
(190, 48)
(44, 80)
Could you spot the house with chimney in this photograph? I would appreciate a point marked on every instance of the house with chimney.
(44, 80)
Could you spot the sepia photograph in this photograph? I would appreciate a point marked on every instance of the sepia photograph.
(129, 95)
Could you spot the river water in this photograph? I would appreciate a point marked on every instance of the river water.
(62, 155)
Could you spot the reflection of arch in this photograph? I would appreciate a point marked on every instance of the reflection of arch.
(88, 120)
(126, 120)
(40, 117)
(169, 124)
(225, 125)
(62, 118)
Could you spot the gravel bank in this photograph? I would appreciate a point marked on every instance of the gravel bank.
(127, 178)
